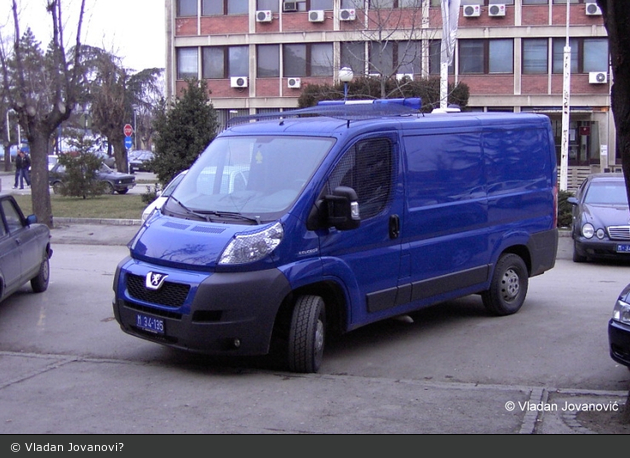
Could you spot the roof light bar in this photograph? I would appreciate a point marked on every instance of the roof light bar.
(410, 102)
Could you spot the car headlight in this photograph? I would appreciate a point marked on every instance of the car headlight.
(621, 312)
(588, 230)
(252, 247)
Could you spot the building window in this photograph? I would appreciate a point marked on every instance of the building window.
(212, 8)
(224, 61)
(395, 57)
(353, 56)
(271, 5)
(535, 55)
(384, 4)
(321, 5)
(587, 54)
(486, 56)
(352, 4)
(268, 61)
(435, 58)
(307, 59)
(187, 63)
(186, 8)
(535, 2)
(237, 7)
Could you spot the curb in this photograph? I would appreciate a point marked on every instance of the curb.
(109, 221)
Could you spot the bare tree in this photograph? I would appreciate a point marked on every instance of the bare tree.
(42, 88)
(616, 16)
(386, 41)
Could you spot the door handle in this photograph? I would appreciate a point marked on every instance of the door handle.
(394, 226)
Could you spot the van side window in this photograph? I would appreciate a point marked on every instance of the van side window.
(367, 168)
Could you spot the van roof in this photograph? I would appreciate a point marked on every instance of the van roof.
(332, 120)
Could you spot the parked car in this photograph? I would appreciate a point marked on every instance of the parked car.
(24, 249)
(619, 329)
(140, 161)
(109, 161)
(163, 195)
(116, 181)
(601, 221)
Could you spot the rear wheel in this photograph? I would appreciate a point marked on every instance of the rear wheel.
(508, 287)
(40, 282)
(307, 334)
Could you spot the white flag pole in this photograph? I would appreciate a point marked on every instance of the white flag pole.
(566, 108)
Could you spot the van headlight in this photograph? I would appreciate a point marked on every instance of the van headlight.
(621, 312)
(252, 247)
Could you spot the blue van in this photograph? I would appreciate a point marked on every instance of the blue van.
(350, 214)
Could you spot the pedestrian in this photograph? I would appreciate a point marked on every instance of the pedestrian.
(22, 166)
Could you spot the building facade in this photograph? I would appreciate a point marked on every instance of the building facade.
(258, 55)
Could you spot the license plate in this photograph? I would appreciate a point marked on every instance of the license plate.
(623, 248)
(147, 323)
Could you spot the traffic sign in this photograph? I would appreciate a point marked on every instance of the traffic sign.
(128, 130)
(128, 142)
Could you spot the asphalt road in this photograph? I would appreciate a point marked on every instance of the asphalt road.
(66, 368)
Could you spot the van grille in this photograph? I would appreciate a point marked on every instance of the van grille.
(170, 294)
(619, 232)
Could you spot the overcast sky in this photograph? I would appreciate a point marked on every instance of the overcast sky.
(130, 29)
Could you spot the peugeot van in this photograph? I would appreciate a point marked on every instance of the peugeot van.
(350, 214)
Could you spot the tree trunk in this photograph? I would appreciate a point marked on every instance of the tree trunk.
(40, 194)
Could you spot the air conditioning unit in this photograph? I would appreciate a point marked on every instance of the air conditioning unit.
(263, 16)
(347, 15)
(289, 6)
(238, 81)
(401, 76)
(472, 10)
(593, 9)
(597, 77)
(498, 9)
(294, 83)
(316, 16)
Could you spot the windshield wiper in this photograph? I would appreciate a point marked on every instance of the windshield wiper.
(220, 214)
(202, 216)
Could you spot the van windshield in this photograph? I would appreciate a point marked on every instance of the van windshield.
(249, 178)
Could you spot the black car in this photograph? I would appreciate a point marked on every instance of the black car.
(619, 329)
(601, 220)
(24, 249)
(116, 181)
(140, 161)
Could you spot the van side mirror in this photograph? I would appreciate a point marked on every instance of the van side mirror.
(343, 208)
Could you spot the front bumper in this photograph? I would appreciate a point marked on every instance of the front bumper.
(602, 249)
(218, 313)
(619, 341)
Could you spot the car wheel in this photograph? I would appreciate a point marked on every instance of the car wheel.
(39, 283)
(57, 187)
(508, 287)
(123, 191)
(307, 334)
(577, 257)
(109, 188)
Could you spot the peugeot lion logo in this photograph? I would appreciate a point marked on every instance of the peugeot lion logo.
(154, 280)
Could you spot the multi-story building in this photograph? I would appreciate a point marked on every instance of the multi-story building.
(258, 55)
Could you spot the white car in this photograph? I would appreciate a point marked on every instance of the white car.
(163, 196)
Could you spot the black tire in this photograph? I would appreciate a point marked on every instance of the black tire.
(307, 334)
(109, 188)
(577, 257)
(39, 283)
(123, 191)
(508, 287)
(57, 186)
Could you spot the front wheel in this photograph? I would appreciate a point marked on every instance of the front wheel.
(508, 287)
(307, 334)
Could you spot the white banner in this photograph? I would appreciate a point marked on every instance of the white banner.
(450, 19)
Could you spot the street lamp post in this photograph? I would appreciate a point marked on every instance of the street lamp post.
(345, 75)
